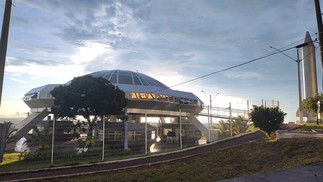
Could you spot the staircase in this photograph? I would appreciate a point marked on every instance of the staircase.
(28, 123)
(210, 134)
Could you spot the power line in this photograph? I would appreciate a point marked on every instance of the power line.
(238, 65)
(231, 67)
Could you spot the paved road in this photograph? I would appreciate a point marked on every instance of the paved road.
(310, 173)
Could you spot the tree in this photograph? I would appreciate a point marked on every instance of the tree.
(310, 103)
(224, 128)
(268, 119)
(240, 125)
(40, 139)
(89, 97)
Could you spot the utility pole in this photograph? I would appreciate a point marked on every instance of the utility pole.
(230, 119)
(320, 30)
(4, 42)
(299, 88)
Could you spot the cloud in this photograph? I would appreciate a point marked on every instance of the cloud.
(244, 75)
(172, 41)
(18, 81)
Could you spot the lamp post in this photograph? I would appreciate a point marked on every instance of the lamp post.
(210, 109)
(299, 82)
(298, 76)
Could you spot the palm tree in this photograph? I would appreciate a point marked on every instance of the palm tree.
(224, 128)
(39, 140)
(240, 125)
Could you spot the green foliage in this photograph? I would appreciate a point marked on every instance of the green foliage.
(85, 143)
(268, 119)
(88, 96)
(239, 126)
(65, 131)
(310, 103)
(224, 129)
(309, 127)
(39, 143)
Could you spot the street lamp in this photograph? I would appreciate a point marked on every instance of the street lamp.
(298, 76)
(210, 108)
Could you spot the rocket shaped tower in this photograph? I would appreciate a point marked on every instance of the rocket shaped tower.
(309, 72)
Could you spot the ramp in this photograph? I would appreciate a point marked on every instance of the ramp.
(28, 123)
(210, 134)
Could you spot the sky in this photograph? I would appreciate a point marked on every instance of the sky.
(173, 41)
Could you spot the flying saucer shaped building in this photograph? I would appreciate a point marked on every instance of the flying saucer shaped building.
(146, 97)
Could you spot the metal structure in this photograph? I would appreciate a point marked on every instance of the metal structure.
(4, 42)
(320, 30)
(309, 72)
(224, 113)
(146, 96)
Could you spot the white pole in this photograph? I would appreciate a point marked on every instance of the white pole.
(299, 88)
(126, 143)
(146, 140)
(103, 136)
(208, 130)
(53, 139)
(248, 109)
(211, 112)
(230, 118)
(180, 129)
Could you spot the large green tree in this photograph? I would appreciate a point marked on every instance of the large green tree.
(89, 97)
(268, 119)
(310, 103)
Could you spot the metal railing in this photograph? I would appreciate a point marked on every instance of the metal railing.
(224, 113)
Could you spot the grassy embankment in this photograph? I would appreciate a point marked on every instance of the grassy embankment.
(243, 160)
(247, 159)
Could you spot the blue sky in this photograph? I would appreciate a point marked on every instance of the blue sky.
(52, 41)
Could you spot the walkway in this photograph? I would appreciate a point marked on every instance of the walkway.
(224, 113)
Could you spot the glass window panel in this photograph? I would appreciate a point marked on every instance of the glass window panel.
(144, 82)
(107, 76)
(151, 82)
(125, 79)
(113, 78)
(136, 80)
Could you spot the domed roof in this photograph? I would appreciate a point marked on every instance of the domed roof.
(130, 81)
(127, 81)
(129, 78)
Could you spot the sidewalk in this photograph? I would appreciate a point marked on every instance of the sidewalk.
(308, 173)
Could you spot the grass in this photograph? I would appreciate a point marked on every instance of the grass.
(309, 127)
(243, 160)
(10, 158)
(12, 163)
